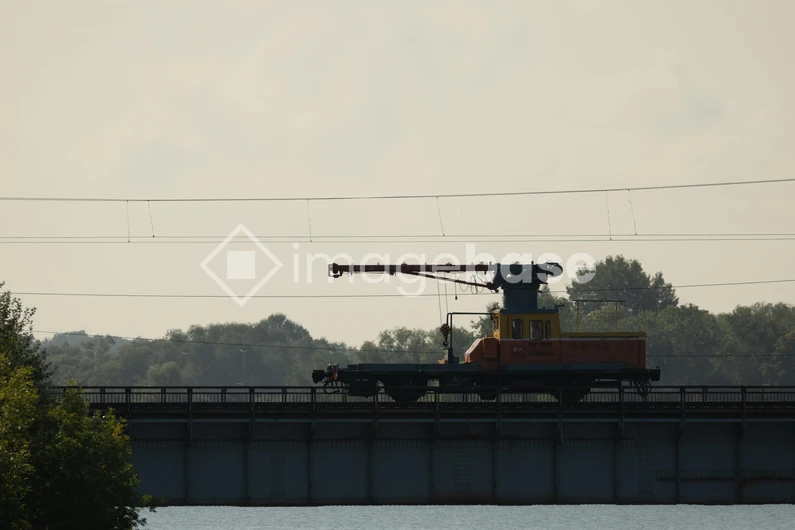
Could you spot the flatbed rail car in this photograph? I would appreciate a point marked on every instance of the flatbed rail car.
(526, 347)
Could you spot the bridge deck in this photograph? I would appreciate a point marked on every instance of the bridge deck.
(665, 403)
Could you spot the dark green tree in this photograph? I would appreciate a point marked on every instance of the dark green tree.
(403, 345)
(682, 341)
(84, 478)
(483, 327)
(617, 278)
(19, 406)
(60, 467)
(17, 342)
(756, 337)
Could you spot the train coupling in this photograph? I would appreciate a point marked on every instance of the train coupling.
(329, 375)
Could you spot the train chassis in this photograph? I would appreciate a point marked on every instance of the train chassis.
(410, 387)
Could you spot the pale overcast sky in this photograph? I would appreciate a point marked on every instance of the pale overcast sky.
(341, 98)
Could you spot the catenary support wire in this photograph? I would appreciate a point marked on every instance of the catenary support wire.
(632, 209)
(127, 207)
(439, 211)
(151, 222)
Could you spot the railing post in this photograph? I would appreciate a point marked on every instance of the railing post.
(313, 408)
(499, 412)
(251, 399)
(223, 394)
(190, 399)
(162, 394)
(284, 395)
(682, 398)
(435, 421)
(102, 395)
(127, 399)
(560, 415)
(743, 400)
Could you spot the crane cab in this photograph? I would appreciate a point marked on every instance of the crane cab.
(518, 338)
(526, 326)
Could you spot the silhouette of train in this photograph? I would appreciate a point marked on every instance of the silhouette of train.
(526, 348)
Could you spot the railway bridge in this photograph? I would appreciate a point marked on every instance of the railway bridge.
(302, 446)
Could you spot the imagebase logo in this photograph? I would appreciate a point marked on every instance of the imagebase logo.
(242, 266)
(248, 270)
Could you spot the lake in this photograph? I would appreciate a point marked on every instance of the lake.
(592, 517)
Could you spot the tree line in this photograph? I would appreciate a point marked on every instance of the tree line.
(751, 345)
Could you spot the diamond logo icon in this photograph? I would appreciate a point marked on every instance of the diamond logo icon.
(242, 265)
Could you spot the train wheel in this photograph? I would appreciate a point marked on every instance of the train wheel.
(574, 394)
(486, 392)
(488, 395)
(399, 393)
(456, 384)
(363, 388)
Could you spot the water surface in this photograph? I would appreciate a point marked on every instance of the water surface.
(591, 517)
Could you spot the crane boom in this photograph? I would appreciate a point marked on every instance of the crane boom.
(505, 276)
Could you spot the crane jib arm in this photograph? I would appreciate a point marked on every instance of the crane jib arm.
(505, 275)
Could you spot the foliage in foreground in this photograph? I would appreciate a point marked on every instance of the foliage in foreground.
(60, 467)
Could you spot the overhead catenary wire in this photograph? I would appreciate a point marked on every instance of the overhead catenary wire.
(338, 348)
(415, 236)
(346, 238)
(383, 295)
(223, 296)
(361, 239)
(400, 197)
(425, 238)
(646, 237)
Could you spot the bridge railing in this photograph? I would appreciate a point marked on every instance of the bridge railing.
(201, 397)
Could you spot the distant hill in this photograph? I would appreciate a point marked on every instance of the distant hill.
(80, 338)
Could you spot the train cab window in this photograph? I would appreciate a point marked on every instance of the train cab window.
(547, 329)
(536, 329)
(516, 328)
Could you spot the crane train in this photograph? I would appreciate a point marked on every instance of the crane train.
(526, 348)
